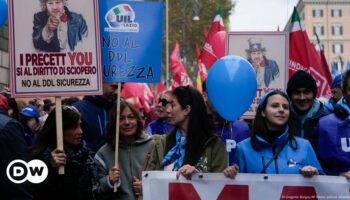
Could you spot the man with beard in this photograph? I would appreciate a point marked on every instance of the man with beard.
(266, 69)
(94, 113)
(305, 108)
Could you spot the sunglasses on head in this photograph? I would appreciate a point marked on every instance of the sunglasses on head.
(164, 102)
(70, 108)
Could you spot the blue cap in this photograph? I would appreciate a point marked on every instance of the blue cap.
(336, 81)
(30, 112)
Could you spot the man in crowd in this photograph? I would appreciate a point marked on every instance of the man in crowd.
(94, 112)
(336, 93)
(305, 108)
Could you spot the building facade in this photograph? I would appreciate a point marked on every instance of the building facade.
(330, 19)
(4, 56)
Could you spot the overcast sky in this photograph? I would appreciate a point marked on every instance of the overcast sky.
(261, 15)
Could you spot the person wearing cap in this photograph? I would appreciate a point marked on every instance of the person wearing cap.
(56, 28)
(306, 109)
(273, 147)
(266, 70)
(336, 93)
(334, 130)
(12, 147)
(29, 118)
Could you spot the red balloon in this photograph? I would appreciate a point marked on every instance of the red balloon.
(218, 44)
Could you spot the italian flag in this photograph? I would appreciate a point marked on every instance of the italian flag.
(207, 55)
(303, 56)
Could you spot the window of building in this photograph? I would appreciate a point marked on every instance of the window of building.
(318, 29)
(317, 13)
(337, 29)
(336, 12)
(337, 48)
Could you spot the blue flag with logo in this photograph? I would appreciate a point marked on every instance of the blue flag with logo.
(131, 41)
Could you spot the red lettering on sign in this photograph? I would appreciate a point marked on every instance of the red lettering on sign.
(234, 192)
(298, 192)
(182, 191)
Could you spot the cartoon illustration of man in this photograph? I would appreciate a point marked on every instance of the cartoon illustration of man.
(266, 70)
(56, 28)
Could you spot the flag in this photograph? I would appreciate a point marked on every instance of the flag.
(180, 76)
(303, 56)
(199, 83)
(324, 64)
(334, 69)
(207, 55)
(201, 68)
(340, 65)
(140, 94)
(160, 87)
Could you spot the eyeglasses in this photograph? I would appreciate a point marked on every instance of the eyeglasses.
(164, 102)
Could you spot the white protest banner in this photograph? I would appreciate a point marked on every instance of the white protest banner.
(211, 186)
(53, 54)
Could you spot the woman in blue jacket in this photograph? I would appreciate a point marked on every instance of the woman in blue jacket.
(273, 148)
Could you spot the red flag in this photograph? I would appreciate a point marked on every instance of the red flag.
(160, 87)
(201, 68)
(180, 77)
(324, 65)
(207, 55)
(139, 94)
(303, 56)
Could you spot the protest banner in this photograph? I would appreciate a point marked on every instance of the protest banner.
(131, 42)
(268, 54)
(54, 51)
(209, 186)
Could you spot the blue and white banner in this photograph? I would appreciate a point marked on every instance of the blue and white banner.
(131, 41)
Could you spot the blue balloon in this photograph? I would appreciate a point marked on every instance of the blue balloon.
(3, 12)
(231, 86)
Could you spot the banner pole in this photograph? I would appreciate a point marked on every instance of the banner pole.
(59, 130)
(117, 133)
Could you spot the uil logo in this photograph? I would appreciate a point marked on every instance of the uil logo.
(121, 18)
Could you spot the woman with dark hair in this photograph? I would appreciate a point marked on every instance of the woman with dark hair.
(134, 145)
(191, 146)
(272, 147)
(76, 182)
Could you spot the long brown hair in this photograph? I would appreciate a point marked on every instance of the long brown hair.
(112, 119)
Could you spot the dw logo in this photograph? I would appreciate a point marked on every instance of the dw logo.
(18, 171)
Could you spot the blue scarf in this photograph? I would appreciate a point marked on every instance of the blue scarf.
(176, 154)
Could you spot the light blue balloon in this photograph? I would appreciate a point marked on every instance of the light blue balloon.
(3, 12)
(231, 86)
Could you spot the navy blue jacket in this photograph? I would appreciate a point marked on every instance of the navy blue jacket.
(12, 147)
(94, 111)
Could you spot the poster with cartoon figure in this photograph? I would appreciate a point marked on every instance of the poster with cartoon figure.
(268, 53)
(54, 48)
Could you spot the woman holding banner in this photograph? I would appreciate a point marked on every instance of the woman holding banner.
(191, 146)
(76, 182)
(273, 148)
(133, 147)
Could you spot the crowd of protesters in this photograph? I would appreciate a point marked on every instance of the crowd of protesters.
(292, 133)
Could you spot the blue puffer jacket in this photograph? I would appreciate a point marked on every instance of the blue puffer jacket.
(289, 161)
(306, 125)
(94, 111)
(334, 143)
(232, 133)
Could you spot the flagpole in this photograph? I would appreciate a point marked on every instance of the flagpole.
(167, 43)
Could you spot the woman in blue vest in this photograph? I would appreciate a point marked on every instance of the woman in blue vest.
(273, 148)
